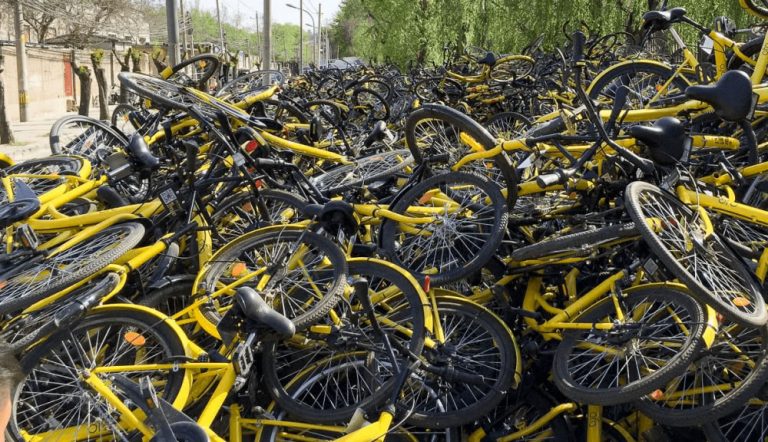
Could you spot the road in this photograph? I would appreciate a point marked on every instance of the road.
(32, 137)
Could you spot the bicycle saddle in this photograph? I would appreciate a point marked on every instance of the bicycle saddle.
(378, 133)
(731, 96)
(660, 20)
(333, 216)
(666, 140)
(139, 151)
(257, 310)
(489, 59)
(24, 205)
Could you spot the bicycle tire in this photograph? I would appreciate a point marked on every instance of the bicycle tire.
(364, 171)
(510, 68)
(725, 295)
(68, 266)
(160, 343)
(317, 360)
(434, 89)
(726, 386)
(292, 303)
(465, 403)
(601, 86)
(593, 386)
(499, 168)
(121, 121)
(499, 125)
(147, 87)
(89, 141)
(413, 255)
(576, 242)
(522, 407)
(380, 112)
(238, 215)
(31, 327)
(756, 8)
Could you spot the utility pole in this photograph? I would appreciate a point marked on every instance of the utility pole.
(258, 37)
(221, 28)
(319, 34)
(301, 36)
(172, 20)
(184, 29)
(21, 62)
(266, 56)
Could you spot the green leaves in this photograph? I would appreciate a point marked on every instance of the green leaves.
(406, 30)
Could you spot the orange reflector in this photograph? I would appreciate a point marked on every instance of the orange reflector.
(741, 301)
(251, 145)
(134, 338)
(720, 318)
(427, 283)
(3, 283)
(238, 269)
(248, 207)
(657, 395)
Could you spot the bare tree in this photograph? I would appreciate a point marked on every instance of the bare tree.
(6, 135)
(101, 82)
(84, 75)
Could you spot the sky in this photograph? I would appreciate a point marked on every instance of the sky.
(280, 12)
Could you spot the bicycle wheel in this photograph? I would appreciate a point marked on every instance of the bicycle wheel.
(435, 130)
(519, 410)
(470, 220)
(53, 402)
(350, 368)
(576, 244)
(508, 69)
(757, 8)
(58, 165)
(718, 382)
(477, 343)
(241, 213)
(508, 125)
(435, 89)
(85, 136)
(122, 121)
(306, 275)
(33, 280)
(24, 330)
(364, 171)
(644, 81)
(246, 84)
(371, 104)
(747, 424)
(706, 264)
(656, 334)
(160, 92)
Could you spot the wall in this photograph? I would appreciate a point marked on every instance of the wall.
(50, 82)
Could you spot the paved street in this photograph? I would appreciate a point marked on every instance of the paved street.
(32, 137)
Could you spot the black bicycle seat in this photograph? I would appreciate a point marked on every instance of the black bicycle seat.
(663, 19)
(378, 133)
(139, 150)
(489, 59)
(257, 310)
(666, 140)
(23, 206)
(731, 96)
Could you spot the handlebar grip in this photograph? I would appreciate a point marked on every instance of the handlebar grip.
(578, 46)
(549, 179)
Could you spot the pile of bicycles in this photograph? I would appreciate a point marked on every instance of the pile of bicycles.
(562, 246)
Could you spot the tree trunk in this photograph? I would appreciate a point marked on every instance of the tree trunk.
(6, 135)
(125, 66)
(84, 75)
(101, 81)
